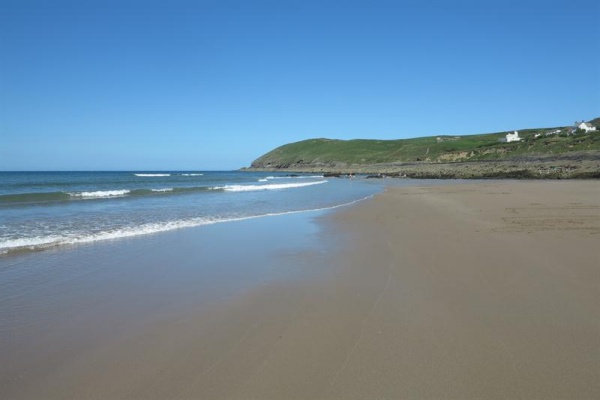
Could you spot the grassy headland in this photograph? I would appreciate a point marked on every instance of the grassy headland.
(541, 153)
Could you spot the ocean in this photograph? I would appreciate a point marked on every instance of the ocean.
(41, 210)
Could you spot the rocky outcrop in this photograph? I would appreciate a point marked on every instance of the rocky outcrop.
(567, 166)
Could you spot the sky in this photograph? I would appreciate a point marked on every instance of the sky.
(212, 85)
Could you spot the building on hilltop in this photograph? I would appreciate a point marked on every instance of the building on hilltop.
(513, 137)
(584, 126)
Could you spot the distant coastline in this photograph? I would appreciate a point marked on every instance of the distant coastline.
(570, 152)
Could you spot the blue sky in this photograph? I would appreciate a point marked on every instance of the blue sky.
(109, 85)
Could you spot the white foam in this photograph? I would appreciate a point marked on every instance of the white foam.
(163, 190)
(100, 194)
(29, 243)
(152, 174)
(70, 239)
(192, 174)
(272, 186)
(45, 242)
(268, 178)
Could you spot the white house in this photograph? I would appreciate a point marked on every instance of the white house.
(512, 137)
(585, 126)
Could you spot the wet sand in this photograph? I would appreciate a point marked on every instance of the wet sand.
(469, 291)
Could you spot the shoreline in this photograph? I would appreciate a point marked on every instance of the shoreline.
(65, 243)
(458, 290)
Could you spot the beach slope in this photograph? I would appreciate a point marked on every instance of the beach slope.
(488, 290)
(460, 291)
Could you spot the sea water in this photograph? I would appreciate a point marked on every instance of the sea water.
(40, 210)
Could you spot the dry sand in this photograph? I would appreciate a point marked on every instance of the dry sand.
(469, 291)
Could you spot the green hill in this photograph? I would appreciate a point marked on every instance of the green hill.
(328, 153)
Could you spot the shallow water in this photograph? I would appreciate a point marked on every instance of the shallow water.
(39, 210)
(57, 304)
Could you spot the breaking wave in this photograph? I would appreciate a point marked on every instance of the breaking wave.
(100, 194)
(272, 186)
(147, 175)
(268, 178)
(46, 242)
(24, 199)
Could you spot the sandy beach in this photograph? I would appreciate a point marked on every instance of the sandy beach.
(478, 290)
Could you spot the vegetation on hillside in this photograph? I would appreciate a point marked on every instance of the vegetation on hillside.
(433, 149)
